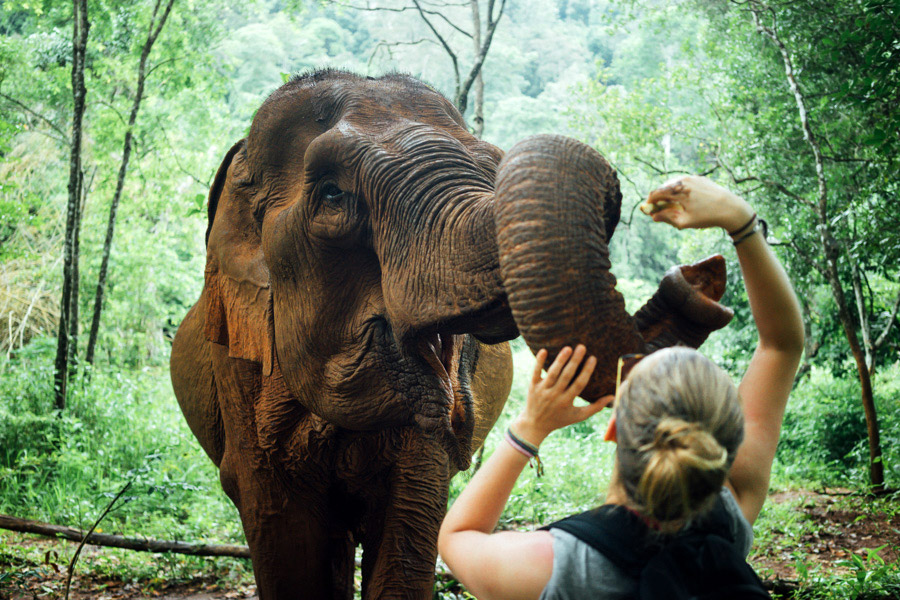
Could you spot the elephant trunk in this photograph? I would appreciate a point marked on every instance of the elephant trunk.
(557, 202)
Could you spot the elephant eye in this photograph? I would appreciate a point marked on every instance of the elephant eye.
(331, 192)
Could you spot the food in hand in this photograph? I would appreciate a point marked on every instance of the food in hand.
(651, 208)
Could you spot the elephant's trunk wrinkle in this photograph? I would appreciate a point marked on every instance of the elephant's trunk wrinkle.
(553, 197)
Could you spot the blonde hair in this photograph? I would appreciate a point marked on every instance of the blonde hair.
(678, 426)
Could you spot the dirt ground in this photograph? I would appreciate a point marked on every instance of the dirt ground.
(838, 526)
(830, 527)
(52, 587)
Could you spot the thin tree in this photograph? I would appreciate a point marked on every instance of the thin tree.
(153, 32)
(463, 86)
(765, 20)
(872, 341)
(81, 26)
(478, 106)
(83, 191)
(428, 12)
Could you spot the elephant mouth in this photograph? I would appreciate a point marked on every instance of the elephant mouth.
(437, 348)
(444, 353)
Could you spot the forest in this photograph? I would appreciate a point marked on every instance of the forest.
(115, 116)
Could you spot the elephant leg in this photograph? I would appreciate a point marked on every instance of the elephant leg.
(400, 536)
(295, 545)
(296, 551)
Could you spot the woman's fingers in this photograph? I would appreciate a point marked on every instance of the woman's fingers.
(557, 366)
(571, 367)
(539, 359)
(585, 412)
(604, 401)
(584, 377)
(674, 191)
(674, 216)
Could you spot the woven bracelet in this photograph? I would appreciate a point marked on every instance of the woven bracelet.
(756, 227)
(743, 227)
(529, 450)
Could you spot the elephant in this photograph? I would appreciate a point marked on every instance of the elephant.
(368, 261)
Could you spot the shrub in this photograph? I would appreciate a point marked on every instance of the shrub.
(824, 437)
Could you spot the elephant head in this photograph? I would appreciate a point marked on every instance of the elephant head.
(351, 241)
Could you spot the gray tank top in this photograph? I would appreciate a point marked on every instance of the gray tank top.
(581, 572)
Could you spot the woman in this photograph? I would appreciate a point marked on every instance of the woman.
(679, 423)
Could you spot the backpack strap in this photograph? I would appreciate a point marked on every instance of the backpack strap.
(625, 539)
(716, 521)
(704, 566)
(614, 531)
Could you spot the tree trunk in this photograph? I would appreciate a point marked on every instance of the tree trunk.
(478, 108)
(72, 358)
(152, 33)
(462, 91)
(811, 343)
(864, 325)
(876, 464)
(79, 44)
(829, 244)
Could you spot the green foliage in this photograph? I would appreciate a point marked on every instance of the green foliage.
(823, 441)
(822, 426)
(869, 578)
(119, 427)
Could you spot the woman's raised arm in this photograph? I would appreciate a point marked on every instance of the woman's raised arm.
(765, 386)
(514, 564)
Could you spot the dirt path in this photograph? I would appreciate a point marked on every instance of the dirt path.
(813, 531)
(831, 529)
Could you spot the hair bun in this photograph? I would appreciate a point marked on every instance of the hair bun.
(679, 424)
(686, 465)
(672, 433)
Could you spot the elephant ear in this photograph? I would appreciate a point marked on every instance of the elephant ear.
(238, 298)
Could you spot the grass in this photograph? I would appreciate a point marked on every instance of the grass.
(118, 427)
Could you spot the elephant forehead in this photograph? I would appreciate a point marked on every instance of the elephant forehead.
(312, 107)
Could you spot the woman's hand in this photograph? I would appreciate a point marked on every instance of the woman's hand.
(697, 202)
(549, 405)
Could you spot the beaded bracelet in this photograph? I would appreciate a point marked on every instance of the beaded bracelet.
(529, 450)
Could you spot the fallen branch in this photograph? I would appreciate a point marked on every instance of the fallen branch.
(141, 545)
(237, 551)
(118, 541)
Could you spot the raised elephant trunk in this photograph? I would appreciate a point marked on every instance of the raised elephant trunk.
(557, 204)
